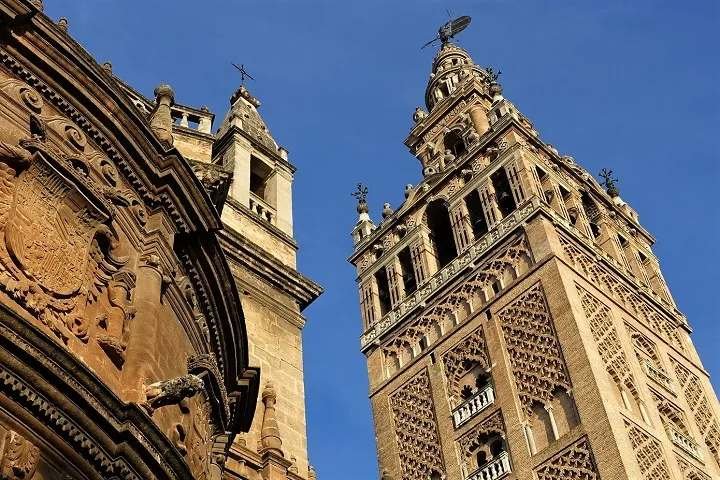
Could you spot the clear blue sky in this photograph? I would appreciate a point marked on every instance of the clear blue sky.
(628, 85)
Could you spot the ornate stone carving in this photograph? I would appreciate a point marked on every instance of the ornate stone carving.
(115, 321)
(468, 353)
(648, 453)
(624, 294)
(19, 457)
(576, 462)
(494, 424)
(171, 392)
(700, 407)
(535, 356)
(607, 341)
(416, 430)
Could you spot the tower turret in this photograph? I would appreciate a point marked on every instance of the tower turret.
(515, 320)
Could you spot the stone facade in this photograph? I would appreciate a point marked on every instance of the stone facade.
(150, 320)
(516, 322)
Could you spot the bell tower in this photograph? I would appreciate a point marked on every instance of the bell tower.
(515, 319)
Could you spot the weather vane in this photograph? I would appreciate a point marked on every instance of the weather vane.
(449, 30)
(360, 193)
(243, 73)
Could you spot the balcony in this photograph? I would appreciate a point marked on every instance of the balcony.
(658, 375)
(474, 405)
(497, 468)
(685, 443)
(261, 208)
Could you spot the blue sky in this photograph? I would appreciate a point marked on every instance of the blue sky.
(632, 86)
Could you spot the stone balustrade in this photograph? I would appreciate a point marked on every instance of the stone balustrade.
(448, 272)
(497, 468)
(474, 405)
(261, 208)
(658, 375)
(684, 442)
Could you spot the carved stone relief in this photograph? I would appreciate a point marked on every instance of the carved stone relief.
(19, 457)
(470, 352)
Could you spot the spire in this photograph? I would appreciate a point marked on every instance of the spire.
(270, 440)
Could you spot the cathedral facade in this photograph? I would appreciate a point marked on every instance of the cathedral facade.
(150, 304)
(516, 322)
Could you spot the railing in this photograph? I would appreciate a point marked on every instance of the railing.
(658, 375)
(441, 277)
(498, 468)
(261, 208)
(474, 405)
(684, 442)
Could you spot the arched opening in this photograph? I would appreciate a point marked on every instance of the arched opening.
(591, 212)
(438, 219)
(454, 143)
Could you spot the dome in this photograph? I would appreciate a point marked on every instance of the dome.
(451, 66)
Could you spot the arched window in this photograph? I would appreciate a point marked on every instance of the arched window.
(454, 142)
(481, 458)
(438, 219)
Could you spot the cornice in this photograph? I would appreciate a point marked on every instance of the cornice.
(241, 250)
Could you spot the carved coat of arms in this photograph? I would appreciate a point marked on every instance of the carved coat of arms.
(50, 215)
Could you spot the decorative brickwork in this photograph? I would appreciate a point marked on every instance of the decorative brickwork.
(535, 356)
(416, 430)
(511, 263)
(648, 453)
(607, 341)
(689, 471)
(470, 352)
(609, 283)
(700, 408)
(494, 424)
(574, 463)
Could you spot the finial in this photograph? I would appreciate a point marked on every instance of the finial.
(161, 119)
(408, 189)
(419, 114)
(361, 195)
(270, 433)
(38, 4)
(387, 210)
(107, 67)
(312, 475)
(609, 182)
(62, 23)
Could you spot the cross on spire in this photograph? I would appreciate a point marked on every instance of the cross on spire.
(243, 73)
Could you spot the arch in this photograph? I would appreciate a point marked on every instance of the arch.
(438, 222)
(454, 143)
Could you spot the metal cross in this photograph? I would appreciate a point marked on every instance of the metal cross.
(243, 73)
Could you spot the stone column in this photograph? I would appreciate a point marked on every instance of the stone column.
(395, 284)
(461, 229)
(142, 342)
(278, 193)
(489, 204)
(479, 119)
